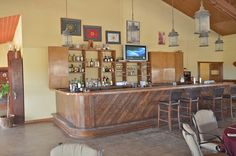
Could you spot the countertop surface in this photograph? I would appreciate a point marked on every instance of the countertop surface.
(139, 89)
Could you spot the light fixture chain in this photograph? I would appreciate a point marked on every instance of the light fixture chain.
(172, 12)
(66, 8)
(132, 10)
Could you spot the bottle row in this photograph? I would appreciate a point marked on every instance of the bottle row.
(75, 58)
(77, 85)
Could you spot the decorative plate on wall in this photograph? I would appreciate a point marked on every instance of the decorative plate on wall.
(234, 63)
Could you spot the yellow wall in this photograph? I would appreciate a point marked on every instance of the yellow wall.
(229, 57)
(3, 54)
(41, 28)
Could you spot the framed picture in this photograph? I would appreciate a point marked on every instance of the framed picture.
(161, 38)
(133, 31)
(93, 33)
(113, 37)
(72, 25)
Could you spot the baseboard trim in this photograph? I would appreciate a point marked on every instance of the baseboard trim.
(39, 121)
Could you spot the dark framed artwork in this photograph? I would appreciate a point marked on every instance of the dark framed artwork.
(72, 25)
(113, 37)
(93, 33)
(133, 31)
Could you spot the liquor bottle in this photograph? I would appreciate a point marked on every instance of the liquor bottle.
(81, 58)
(105, 59)
(70, 58)
(73, 58)
(91, 63)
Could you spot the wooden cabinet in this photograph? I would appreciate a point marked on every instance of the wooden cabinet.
(166, 66)
(91, 66)
(66, 64)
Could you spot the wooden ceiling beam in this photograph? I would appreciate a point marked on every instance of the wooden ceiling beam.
(225, 7)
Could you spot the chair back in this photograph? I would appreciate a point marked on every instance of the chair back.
(194, 93)
(218, 92)
(205, 122)
(191, 139)
(175, 95)
(233, 90)
(74, 150)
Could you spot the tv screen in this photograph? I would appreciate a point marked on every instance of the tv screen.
(135, 52)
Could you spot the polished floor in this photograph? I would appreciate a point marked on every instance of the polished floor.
(39, 139)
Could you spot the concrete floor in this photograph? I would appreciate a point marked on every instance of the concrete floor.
(39, 139)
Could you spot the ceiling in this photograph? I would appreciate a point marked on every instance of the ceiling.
(222, 13)
(8, 27)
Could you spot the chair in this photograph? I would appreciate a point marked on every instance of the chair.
(188, 103)
(207, 129)
(168, 106)
(191, 140)
(232, 97)
(74, 150)
(216, 98)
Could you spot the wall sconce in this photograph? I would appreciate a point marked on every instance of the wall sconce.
(219, 44)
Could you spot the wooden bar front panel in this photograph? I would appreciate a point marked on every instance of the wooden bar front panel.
(109, 112)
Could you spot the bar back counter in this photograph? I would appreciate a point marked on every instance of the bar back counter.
(107, 112)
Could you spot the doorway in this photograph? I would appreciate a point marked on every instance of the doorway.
(210, 71)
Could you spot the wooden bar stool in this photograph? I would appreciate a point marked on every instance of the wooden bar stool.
(215, 98)
(232, 98)
(168, 106)
(190, 103)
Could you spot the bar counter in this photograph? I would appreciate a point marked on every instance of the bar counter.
(107, 112)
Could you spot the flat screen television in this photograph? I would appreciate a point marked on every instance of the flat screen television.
(132, 52)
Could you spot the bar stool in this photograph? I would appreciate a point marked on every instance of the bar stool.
(168, 106)
(217, 96)
(232, 97)
(190, 103)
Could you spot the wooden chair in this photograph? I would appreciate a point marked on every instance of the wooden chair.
(232, 98)
(188, 103)
(168, 106)
(215, 98)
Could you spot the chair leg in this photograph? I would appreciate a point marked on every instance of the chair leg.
(231, 108)
(213, 105)
(179, 122)
(158, 116)
(190, 109)
(221, 107)
(169, 117)
(197, 104)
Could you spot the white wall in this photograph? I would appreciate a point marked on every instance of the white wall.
(41, 28)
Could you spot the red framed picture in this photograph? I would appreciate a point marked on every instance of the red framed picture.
(93, 33)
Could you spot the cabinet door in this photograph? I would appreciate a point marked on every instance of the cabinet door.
(179, 65)
(58, 67)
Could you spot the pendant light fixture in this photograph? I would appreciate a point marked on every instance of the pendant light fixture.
(219, 44)
(66, 36)
(202, 20)
(173, 35)
(133, 27)
(203, 39)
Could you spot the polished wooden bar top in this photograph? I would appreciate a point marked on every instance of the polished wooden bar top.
(139, 89)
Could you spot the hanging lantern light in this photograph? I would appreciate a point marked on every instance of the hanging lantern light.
(219, 44)
(203, 39)
(66, 38)
(202, 20)
(173, 35)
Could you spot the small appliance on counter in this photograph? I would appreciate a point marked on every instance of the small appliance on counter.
(187, 77)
